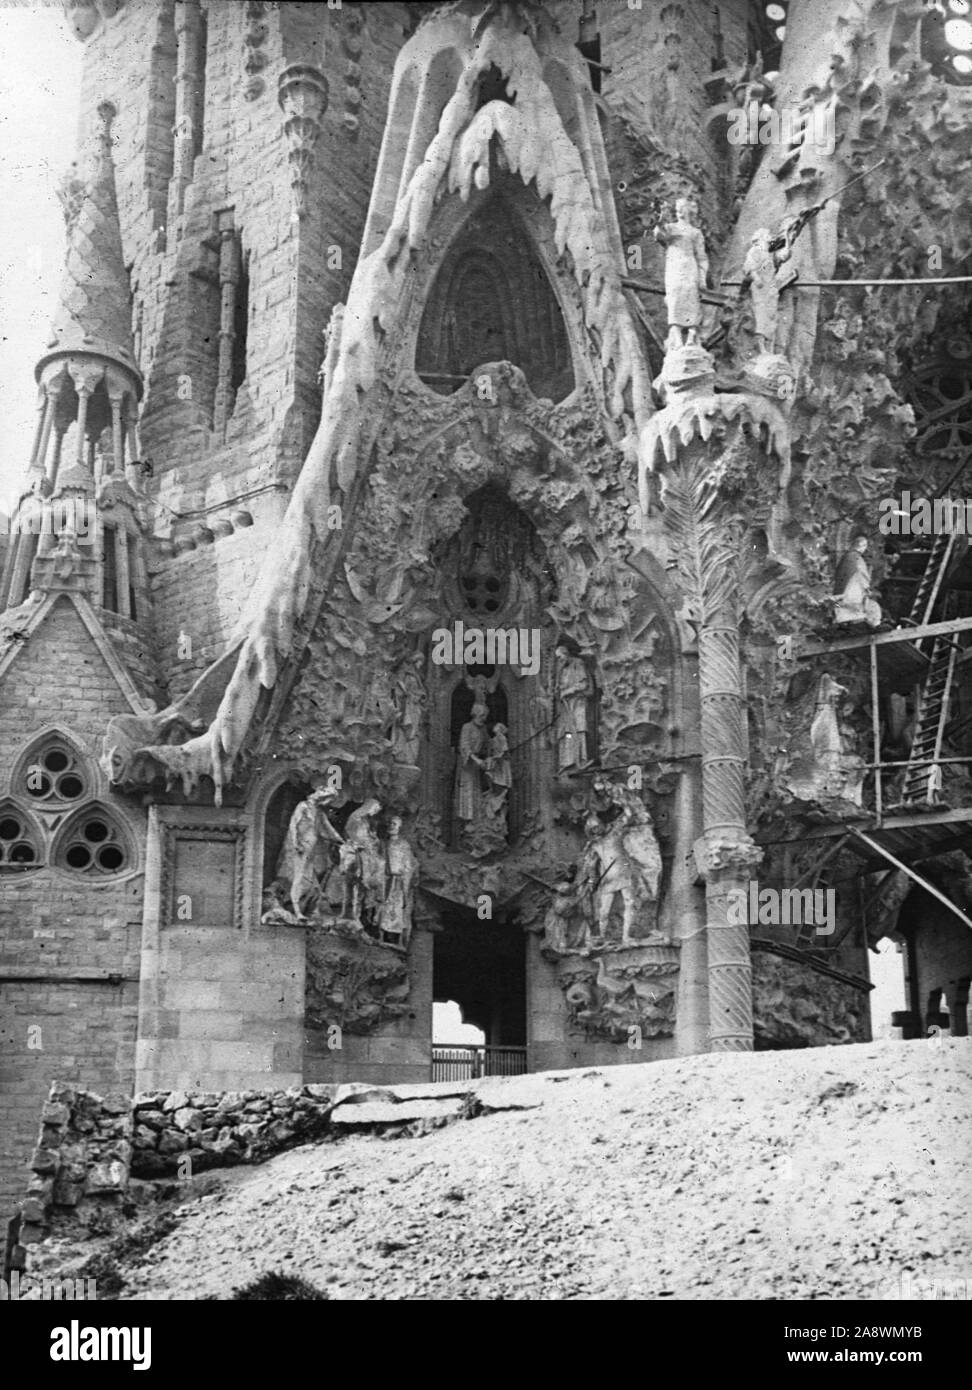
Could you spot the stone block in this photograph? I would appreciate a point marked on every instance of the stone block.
(107, 1177)
(396, 1113)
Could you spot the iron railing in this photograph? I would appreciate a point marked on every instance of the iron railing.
(465, 1063)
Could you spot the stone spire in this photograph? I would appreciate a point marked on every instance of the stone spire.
(94, 312)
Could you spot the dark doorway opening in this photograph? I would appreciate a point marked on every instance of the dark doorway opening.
(482, 966)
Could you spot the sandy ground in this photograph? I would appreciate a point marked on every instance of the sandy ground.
(828, 1173)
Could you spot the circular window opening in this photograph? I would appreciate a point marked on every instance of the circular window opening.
(96, 831)
(78, 856)
(23, 853)
(110, 858)
(37, 783)
(9, 828)
(56, 761)
(70, 787)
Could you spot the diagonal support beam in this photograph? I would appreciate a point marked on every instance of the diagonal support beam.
(912, 873)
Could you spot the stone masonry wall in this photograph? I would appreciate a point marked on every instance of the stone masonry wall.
(69, 944)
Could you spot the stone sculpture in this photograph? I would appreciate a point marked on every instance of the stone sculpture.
(621, 859)
(686, 268)
(853, 588)
(306, 853)
(395, 917)
(362, 865)
(471, 759)
(759, 269)
(827, 765)
(575, 688)
(499, 775)
(409, 701)
(560, 928)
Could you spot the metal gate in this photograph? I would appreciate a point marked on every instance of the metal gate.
(466, 1063)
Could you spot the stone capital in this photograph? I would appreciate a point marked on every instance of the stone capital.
(717, 853)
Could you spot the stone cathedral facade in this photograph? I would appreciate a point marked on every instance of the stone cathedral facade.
(450, 561)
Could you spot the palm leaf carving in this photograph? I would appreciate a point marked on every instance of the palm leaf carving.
(706, 535)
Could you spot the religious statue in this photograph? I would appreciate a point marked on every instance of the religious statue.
(566, 904)
(759, 271)
(362, 866)
(499, 773)
(621, 859)
(306, 854)
(686, 268)
(473, 751)
(853, 588)
(575, 688)
(408, 697)
(395, 916)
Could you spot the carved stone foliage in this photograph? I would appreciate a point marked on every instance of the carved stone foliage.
(613, 991)
(363, 697)
(353, 981)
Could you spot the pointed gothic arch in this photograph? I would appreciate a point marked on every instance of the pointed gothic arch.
(54, 771)
(21, 839)
(95, 843)
(492, 301)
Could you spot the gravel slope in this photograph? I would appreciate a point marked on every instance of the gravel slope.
(825, 1173)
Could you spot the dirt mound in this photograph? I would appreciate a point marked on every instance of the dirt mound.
(826, 1173)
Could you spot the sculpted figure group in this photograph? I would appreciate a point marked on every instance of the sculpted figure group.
(357, 879)
(615, 886)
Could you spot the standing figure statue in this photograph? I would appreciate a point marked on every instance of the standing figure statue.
(826, 742)
(499, 775)
(395, 918)
(575, 688)
(853, 588)
(621, 859)
(759, 271)
(408, 695)
(686, 268)
(306, 853)
(362, 866)
(470, 762)
(564, 908)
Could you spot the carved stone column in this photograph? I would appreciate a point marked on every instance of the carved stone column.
(302, 94)
(708, 442)
(229, 276)
(188, 25)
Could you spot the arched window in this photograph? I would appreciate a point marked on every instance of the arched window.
(92, 843)
(20, 841)
(53, 774)
(492, 302)
(946, 40)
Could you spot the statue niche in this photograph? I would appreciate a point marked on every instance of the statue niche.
(618, 972)
(486, 681)
(483, 770)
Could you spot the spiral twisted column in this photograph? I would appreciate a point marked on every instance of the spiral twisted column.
(727, 853)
